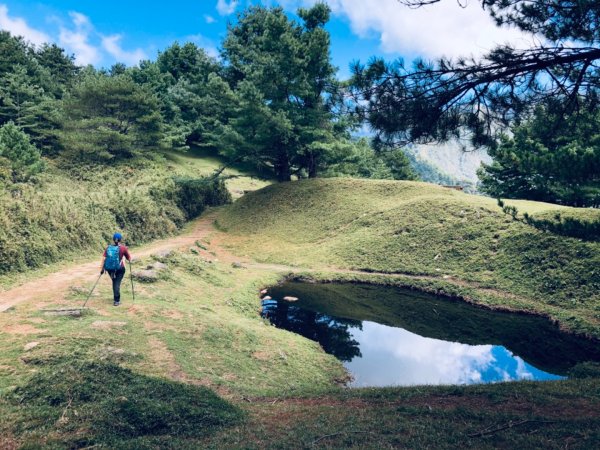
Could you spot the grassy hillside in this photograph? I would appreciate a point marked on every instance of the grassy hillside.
(424, 230)
(191, 364)
(76, 210)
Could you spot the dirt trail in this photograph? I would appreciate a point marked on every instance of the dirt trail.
(55, 285)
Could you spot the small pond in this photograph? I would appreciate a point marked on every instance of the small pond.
(387, 336)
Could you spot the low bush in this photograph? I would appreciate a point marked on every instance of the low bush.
(20, 159)
(62, 216)
(193, 195)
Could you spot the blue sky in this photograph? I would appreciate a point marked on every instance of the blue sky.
(102, 33)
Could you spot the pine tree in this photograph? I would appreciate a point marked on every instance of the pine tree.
(551, 157)
(22, 157)
(107, 117)
(282, 73)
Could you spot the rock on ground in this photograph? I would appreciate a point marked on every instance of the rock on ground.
(146, 275)
(30, 345)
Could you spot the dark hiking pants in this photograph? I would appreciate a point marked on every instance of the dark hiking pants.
(116, 277)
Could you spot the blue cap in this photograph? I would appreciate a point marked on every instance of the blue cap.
(117, 237)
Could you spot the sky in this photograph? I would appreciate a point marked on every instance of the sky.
(106, 32)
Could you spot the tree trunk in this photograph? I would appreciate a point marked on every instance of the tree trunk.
(312, 165)
(282, 167)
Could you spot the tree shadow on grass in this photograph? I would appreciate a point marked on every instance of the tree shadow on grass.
(74, 404)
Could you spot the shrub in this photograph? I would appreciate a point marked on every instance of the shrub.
(588, 230)
(61, 217)
(22, 157)
(193, 195)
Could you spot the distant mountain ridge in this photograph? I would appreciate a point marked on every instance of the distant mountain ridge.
(447, 163)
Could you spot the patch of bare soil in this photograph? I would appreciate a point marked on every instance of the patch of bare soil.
(173, 314)
(261, 355)
(107, 324)
(165, 361)
(6, 369)
(56, 286)
(36, 320)
(20, 329)
(156, 326)
(8, 443)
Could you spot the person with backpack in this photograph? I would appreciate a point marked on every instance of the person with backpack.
(113, 264)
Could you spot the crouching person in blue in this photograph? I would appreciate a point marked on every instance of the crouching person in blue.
(113, 263)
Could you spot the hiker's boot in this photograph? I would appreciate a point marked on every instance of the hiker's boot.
(116, 303)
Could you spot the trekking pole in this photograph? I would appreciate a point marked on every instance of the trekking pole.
(131, 276)
(90, 294)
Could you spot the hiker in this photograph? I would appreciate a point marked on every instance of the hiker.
(113, 264)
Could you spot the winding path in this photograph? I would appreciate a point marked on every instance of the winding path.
(54, 285)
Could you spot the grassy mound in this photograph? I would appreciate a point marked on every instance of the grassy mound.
(421, 229)
(91, 403)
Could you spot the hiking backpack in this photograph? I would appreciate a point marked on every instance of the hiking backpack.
(112, 261)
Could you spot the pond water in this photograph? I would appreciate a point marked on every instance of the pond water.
(387, 336)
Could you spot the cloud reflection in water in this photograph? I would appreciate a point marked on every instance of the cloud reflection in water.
(394, 356)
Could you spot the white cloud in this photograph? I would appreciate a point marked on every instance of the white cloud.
(18, 27)
(91, 47)
(81, 21)
(112, 45)
(226, 8)
(77, 40)
(441, 29)
(209, 19)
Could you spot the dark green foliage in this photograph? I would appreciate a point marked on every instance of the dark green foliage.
(187, 61)
(24, 101)
(60, 66)
(585, 370)
(477, 96)
(23, 160)
(283, 77)
(110, 117)
(31, 82)
(551, 157)
(555, 19)
(272, 103)
(567, 226)
(116, 404)
(193, 195)
(358, 159)
(184, 77)
(588, 230)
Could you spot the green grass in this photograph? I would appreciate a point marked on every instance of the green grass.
(83, 403)
(193, 365)
(526, 415)
(241, 383)
(75, 211)
(423, 230)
